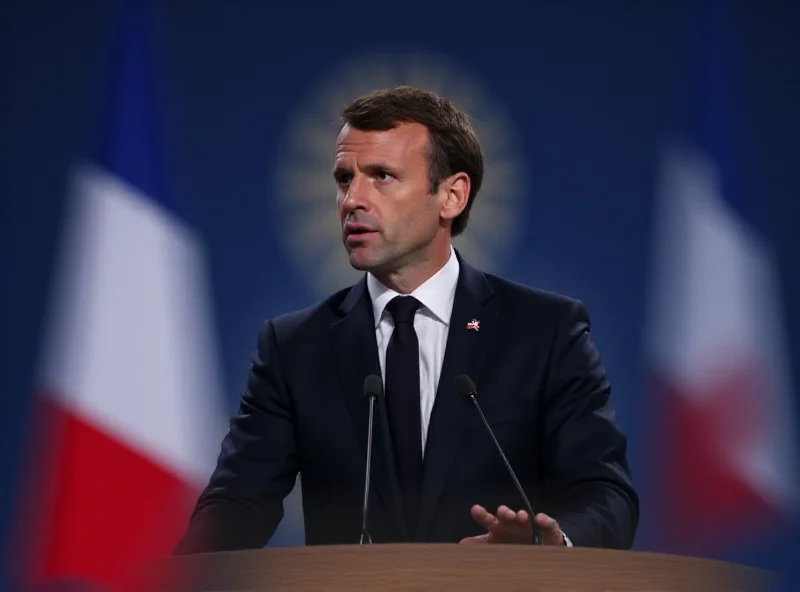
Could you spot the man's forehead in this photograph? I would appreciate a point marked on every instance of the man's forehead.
(402, 139)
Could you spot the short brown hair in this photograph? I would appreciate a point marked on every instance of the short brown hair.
(454, 145)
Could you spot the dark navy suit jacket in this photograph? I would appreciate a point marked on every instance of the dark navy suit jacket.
(540, 383)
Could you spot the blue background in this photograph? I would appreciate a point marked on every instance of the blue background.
(592, 89)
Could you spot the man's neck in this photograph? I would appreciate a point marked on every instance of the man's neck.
(408, 279)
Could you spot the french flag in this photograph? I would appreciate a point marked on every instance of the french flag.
(726, 436)
(126, 422)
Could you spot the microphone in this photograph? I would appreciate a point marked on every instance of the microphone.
(467, 389)
(373, 388)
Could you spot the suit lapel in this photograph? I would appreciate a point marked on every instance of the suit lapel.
(464, 354)
(355, 352)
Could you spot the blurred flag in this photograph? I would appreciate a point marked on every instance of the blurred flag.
(126, 422)
(726, 471)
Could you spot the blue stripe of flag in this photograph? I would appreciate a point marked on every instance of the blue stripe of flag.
(131, 146)
(715, 122)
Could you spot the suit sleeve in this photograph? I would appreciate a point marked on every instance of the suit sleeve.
(590, 490)
(242, 504)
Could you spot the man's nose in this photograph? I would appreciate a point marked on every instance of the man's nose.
(357, 195)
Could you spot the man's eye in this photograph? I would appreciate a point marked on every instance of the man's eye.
(384, 176)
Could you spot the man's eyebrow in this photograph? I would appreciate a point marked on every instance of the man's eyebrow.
(369, 167)
(376, 166)
(339, 170)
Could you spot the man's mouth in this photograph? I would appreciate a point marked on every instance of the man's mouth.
(357, 229)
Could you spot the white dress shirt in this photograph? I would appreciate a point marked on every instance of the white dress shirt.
(431, 322)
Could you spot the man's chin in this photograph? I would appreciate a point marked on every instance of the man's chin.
(363, 260)
(359, 262)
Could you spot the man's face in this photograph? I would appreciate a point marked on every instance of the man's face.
(388, 217)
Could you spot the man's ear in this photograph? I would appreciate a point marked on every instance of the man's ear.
(455, 190)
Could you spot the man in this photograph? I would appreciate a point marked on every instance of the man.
(408, 167)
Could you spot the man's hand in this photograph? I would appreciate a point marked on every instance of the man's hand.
(510, 527)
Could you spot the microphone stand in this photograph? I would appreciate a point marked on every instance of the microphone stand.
(364, 531)
(537, 536)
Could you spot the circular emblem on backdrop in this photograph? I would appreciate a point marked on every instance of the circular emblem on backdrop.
(306, 192)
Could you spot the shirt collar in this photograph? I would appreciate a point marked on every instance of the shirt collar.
(436, 294)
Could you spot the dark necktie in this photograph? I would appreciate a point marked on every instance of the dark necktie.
(402, 401)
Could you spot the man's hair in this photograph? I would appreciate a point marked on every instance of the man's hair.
(454, 146)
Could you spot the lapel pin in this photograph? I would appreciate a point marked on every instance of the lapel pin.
(474, 325)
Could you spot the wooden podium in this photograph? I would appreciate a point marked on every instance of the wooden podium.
(442, 567)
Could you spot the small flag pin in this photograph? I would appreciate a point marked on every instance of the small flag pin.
(474, 325)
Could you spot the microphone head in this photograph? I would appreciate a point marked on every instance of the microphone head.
(465, 387)
(373, 386)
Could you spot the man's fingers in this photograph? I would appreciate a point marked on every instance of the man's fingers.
(508, 526)
(545, 521)
(481, 539)
(550, 530)
(504, 513)
(482, 517)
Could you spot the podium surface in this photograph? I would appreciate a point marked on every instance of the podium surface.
(450, 567)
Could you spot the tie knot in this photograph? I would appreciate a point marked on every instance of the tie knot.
(403, 308)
